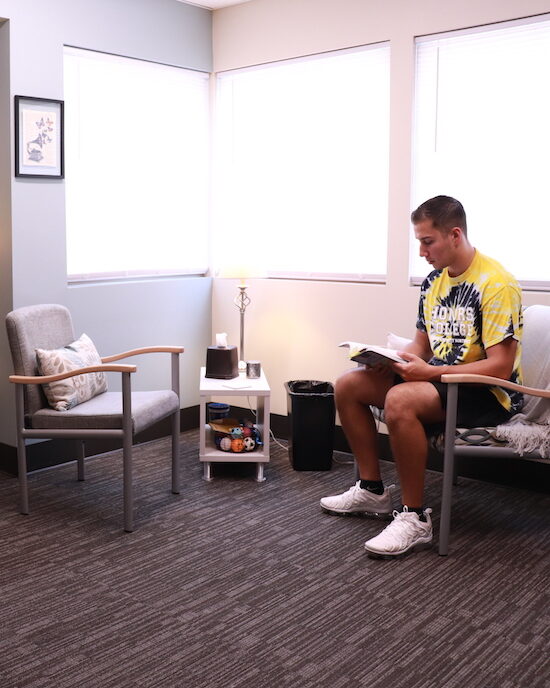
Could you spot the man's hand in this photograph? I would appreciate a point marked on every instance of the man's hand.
(416, 369)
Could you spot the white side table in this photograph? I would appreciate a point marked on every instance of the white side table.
(237, 387)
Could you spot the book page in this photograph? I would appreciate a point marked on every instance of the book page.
(371, 354)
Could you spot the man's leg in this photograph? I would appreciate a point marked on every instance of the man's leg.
(354, 392)
(408, 407)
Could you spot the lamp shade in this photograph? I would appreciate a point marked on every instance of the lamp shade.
(241, 270)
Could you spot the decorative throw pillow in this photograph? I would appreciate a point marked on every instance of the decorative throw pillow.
(64, 394)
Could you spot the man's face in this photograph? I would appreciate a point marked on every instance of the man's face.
(438, 248)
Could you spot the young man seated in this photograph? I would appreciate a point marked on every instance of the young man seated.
(470, 316)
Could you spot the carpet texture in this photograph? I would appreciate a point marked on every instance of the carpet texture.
(235, 584)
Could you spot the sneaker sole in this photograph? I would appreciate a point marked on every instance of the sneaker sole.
(383, 516)
(417, 547)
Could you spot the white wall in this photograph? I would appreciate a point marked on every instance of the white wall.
(294, 327)
(32, 212)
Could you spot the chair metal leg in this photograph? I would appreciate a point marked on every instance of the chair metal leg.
(21, 451)
(175, 377)
(448, 469)
(127, 440)
(22, 475)
(176, 452)
(81, 448)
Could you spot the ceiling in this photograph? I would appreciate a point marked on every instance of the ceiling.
(214, 4)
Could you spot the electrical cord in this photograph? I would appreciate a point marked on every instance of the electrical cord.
(342, 462)
(272, 436)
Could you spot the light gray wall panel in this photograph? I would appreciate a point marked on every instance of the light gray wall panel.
(118, 316)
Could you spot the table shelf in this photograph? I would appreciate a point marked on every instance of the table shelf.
(212, 453)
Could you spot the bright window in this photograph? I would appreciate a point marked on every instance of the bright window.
(482, 135)
(302, 165)
(137, 151)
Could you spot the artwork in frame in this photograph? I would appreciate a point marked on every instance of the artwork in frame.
(39, 137)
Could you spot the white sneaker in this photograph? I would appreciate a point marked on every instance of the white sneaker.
(405, 533)
(359, 501)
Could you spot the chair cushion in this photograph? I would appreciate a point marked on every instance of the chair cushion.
(65, 394)
(104, 412)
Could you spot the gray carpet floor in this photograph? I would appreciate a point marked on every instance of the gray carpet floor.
(240, 584)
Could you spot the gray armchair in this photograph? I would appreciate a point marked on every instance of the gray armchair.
(105, 415)
(525, 436)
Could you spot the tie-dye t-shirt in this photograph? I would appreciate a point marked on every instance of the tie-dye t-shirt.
(465, 315)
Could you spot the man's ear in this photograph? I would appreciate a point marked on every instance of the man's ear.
(457, 233)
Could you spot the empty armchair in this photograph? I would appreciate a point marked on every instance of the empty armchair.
(61, 392)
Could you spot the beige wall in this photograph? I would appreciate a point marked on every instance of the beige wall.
(293, 327)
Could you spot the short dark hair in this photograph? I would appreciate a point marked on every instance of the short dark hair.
(444, 212)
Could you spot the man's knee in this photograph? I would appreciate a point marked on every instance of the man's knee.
(345, 387)
(361, 385)
(397, 405)
(412, 400)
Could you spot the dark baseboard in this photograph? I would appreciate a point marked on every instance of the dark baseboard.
(55, 452)
(510, 472)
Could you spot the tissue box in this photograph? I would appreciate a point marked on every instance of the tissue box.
(222, 362)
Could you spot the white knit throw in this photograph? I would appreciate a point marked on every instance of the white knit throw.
(529, 431)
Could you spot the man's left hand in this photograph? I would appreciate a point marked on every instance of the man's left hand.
(415, 370)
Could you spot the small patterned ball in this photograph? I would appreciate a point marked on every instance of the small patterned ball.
(237, 444)
(225, 444)
(247, 432)
(236, 432)
(249, 444)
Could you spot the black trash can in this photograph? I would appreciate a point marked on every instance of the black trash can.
(312, 413)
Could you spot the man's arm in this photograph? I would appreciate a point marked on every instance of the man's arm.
(499, 363)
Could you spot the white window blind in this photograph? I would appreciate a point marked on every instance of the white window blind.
(482, 135)
(137, 151)
(302, 164)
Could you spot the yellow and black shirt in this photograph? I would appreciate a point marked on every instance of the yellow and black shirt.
(465, 315)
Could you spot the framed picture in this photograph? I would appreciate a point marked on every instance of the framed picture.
(38, 137)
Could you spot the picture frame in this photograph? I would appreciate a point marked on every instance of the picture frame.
(39, 137)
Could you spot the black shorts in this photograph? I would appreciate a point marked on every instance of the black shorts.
(477, 406)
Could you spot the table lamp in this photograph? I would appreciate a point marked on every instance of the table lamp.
(241, 271)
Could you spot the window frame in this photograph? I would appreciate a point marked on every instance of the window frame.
(129, 274)
(536, 285)
(318, 275)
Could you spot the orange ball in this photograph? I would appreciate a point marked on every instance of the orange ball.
(237, 444)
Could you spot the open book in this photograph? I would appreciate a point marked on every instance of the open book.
(370, 354)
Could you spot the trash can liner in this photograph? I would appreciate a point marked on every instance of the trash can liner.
(309, 387)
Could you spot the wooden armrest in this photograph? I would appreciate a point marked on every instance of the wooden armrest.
(487, 380)
(44, 379)
(144, 350)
